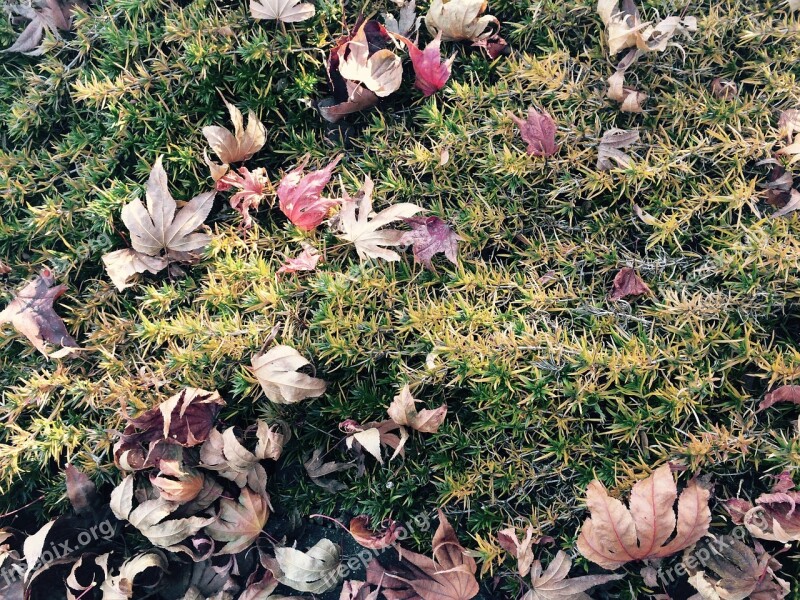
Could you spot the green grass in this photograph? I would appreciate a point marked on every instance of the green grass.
(549, 384)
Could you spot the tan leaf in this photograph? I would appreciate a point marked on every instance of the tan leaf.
(403, 412)
(630, 98)
(792, 205)
(89, 571)
(32, 314)
(270, 440)
(522, 550)
(175, 484)
(372, 436)
(365, 233)
(150, 518)
(625, 29)
(223, 453)
(628, 283)
(789, 123)
(775, 516)
(122, 265)
(318, 470)
(723, 89)
(277, 372)
(239, 145)
(460, 20)
(553, 584)
(407, 19)
(792, 150)
(377, 540)
(609, 148)
(287, 11)
(315, 571)
(120, 586)
(358, 590)
(240, 523)
(161, 228)
(614, 535)
(380, 72)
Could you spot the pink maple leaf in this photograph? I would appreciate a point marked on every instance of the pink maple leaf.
(539, 131)
(429, 236)
(252, 187)
(432, 72)
(299, 195)
(305, 261)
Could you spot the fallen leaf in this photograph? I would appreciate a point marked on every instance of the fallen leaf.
(225, 454)
(774, 517)
(522, 550)
(315, 571)
(358, 590)
(625, 29)
(430, 236)
(609, 148)
(287, 11)
(407, 19)
(792, 205)
(318, 470)
(150, 518)
(358, 98)
(240, 523)
(240, 145)
(123, 265)
(403, 411)
(252, 186)
(377, 540)
(723, 89)
(161, 228)
(81, 491)
(538, 131)
(277, 372)
(792, 150)
(431, 71)
(372, 436)
(307, 260)
(789, 123)
(460, 20)
(628, 283)
(365, 233)
(779, 185)
(177, 483)
(300, 197)
(632, 100)
(614, 535)
(88, 572)
(724, 568)
(379, 71)
(4, 268)
(785, 393)
(494, 46)
(51, 15)
(32, 314)
(553, 584)
(143, 565)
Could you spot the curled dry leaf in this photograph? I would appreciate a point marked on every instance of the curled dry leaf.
(723, 89)
(225, 454)
(252, 186)
(143, 566)
(32, 314)
(379, 71)
(430, 236)
(450, 575)
(403, 411)
(364, 232)
(358, 590)
(48, 15)
(614, 535)
(553, 583)
(791, 205)
(628, 283)
(123, 265)
(779, 185)
(538, 131)
(631, 99)
(725, 568)
(240, 523)
(459, 20)
(315, 571)
(494, 46)
(789, 123)
(300, 196)
(377, 540)
(785, 393)
(240, 145)
(407, 20)
(610, 148)
(431, 71)
(371, 436)
(522, 550)
(177, 483)
(287, 11)
(307, 260)
(774, 517)
(318, 470)
(81, 491)
(625, 29)
(277, 372)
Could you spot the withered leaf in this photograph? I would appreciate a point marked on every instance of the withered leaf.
(358, 98)
(431, 71)
(223, 453)
(237, 146)
(724, 89)
(615, 535)
(358, 590)
(277, 372)
(252, 186)
(785, 393)
(151, 518)
(628, 283)
(430, 236)
(377, 540)
(177, 483)
(403, 411)
(407, 19)
(315, 571)
(318, 470)
(121, 585)
(538, 131)
(300, 196)
(522, 550)
(364, 232)
(553, 583)
(50, 15)
(240, 523)
(460, 20)
(379, 71)
(32, 314)
(81, 490)
(307, 260)
(625, 29)
(609, 148)
(791, 205)
(371, 436)
(287, 11)
(774, 517)
(632, 100)
(123, 265)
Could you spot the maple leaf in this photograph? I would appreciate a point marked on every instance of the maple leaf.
(377, 540)
(240, 523)
(161, 228)
(407, 19)
(49, 15)
(785, 393)
(723, 89)
(143, 565)
(625, 29)
(553, 584)
(430, 236)
(123, 265)
(380, 71)
(305, 261)
(315, 571)
(185, 419)
(431, 71)
(81, 491)
(628, 283)
(724, 568)
(224, 453)
(494, 46)
(358, 98)
(614, 535)
(372, 436)
(631, 99)
(176, 483)
(365, 233)
(609, 148)
(791, 205)
(286, 11)
(538, 131)
(522, 550)
(450, 575)
(237, 146)
(252, 186)
(460, 20)
(32, 314)
(789, 123)
(403, 411)
(300, 198)
(774, 517)
(318, 470)
(277, 372)
(358, 590)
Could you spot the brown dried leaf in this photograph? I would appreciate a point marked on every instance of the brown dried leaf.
(377, 540)
(381, 72)
(307, 260)
(51, 16)
(553, 584)
(775, 516)
(538, 131)
(614, 535)
(123, 265)
(277, 372)
(723, 89)
(240, 145)
(315, 571)
(785, 393)
(32, 314)
(287, 11)
(522, 550)
(460, 20)
(628, 283)
(371, 436)
(609, 148)
(359, 590)
(631, 99)
(81, 490)
(317, 469)
(240, 523)
(403, 411)
(223, 453)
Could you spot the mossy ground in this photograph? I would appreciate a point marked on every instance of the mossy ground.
(549, 384)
